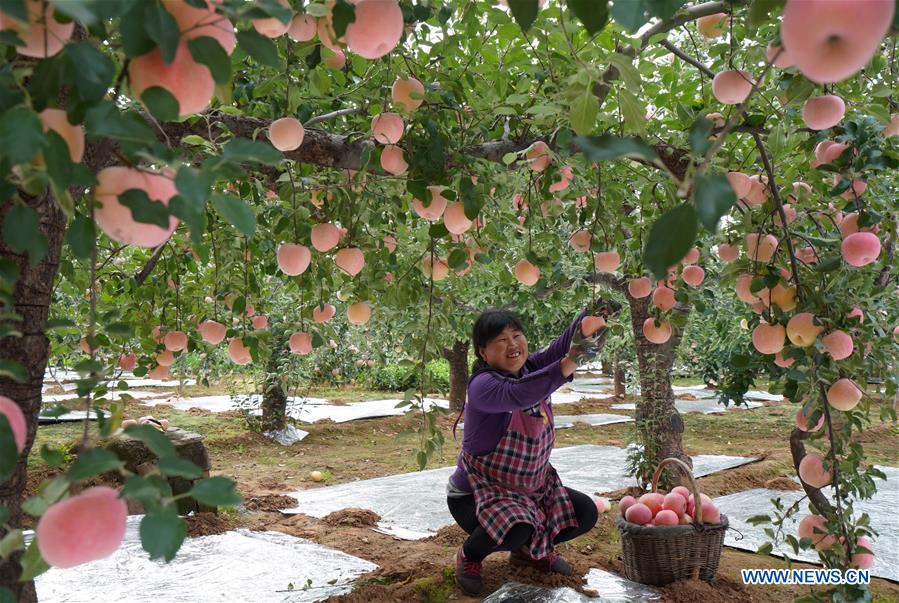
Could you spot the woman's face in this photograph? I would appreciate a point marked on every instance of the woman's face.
(507, 352)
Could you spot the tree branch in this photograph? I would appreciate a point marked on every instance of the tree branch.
(687, 58)
(141, 276)
(332, 115)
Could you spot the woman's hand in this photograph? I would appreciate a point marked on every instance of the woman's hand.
(604, 308)
(584, 349)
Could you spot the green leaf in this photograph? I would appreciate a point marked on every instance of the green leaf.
(21, 231)
(594, 14)
(135, 40)
(760, 10)
(11, 369)
(88, 12)
(235, 212)
(607, 147)
(13, 541)
(584, 110)
(162, 104)
(670, 238)
(207, 51)
(143, 209)
(699, 135)
(21, 135)
(216, 492)
(342, 15)
(105, 120)
(15, 9)
(633, 110)
(80, 236)
(146, 489)
(765, 549)
(713, 197)
(828, 264)
(33, 564)
(630, 14)
(524, 12)
(175, 466)
(244, 149)
(162, 28)
(94, 461)
(93, 70)
(162, 532)
(158, 443)
(54, 457)
(262, 49)
(626, 71)
(9, 453)
(665, 9)
(62, 171)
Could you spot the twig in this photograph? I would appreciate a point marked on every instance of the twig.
(685, 57)
(780, 209)
(332, 115)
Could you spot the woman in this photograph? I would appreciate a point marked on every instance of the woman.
(504, 492)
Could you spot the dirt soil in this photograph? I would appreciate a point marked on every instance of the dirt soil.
(423, 570)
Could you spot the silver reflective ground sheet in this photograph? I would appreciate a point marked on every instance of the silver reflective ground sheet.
(413, 505)
(881, 509)
(234, 566)
(611, 588)
(566, 421)
(224, 403)
(707, 406)
(357, 410)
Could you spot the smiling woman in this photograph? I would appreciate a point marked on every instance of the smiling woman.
(505, 493)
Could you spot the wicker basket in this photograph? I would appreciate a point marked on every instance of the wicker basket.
(659, 555)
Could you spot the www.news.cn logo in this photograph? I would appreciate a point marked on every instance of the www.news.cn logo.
(831, 577)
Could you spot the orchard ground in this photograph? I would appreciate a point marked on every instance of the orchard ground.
(265, 472)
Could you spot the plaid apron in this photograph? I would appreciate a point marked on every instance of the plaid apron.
(517, 484)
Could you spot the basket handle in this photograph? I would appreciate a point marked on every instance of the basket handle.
(697, 512)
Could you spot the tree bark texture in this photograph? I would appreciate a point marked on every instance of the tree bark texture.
(274, 399)
(618, 380)
(31, 296)
(458, 363)
(660, 427)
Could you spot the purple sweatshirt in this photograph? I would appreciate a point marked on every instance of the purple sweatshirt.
(493, 396)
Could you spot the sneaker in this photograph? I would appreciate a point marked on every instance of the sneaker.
(468, 574)
(551, 563)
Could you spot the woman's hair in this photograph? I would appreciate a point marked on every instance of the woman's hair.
(489, 324)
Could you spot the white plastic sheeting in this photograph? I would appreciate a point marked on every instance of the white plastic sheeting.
(611, 588)
(288, 436)
(413, 505)
(112, 395)
(568, 397)
(224, 403)
(234, 566)
(566, 421)
(705, 406)
(357, 410)
(881, 509)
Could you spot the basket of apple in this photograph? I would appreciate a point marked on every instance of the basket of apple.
(673, 536)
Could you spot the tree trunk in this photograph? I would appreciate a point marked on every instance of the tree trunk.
(605, 368)
(659, 425)
(619, 378)
(458, 362)
(31, 296)
(274, 399)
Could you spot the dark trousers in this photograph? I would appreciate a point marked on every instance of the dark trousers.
(479, 543)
